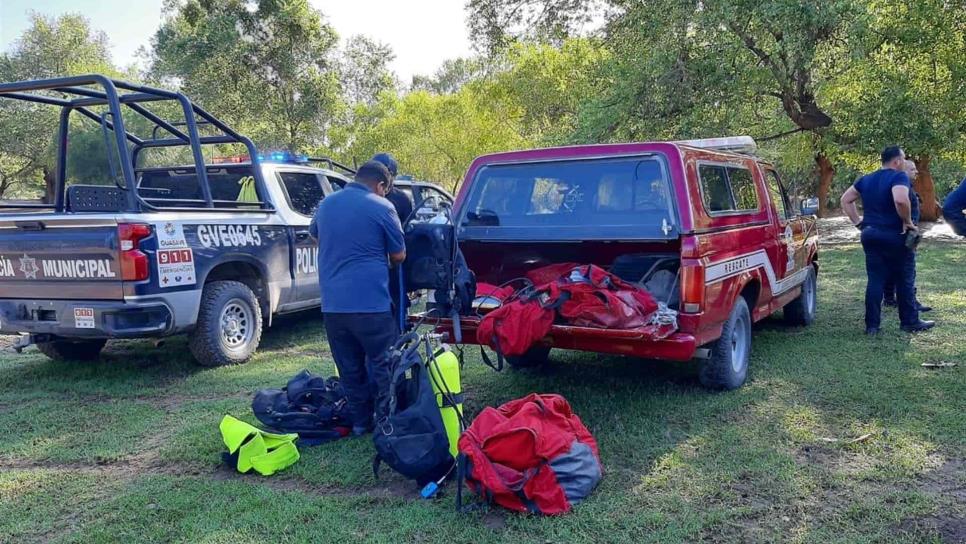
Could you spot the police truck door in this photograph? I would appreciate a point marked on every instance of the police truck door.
(304, 192)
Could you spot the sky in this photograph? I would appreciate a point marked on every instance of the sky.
(422, 33)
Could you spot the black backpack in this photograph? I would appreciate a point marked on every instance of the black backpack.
(435, 262)
(312, 406)
(411, 438)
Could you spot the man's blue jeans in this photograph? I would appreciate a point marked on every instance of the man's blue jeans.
(886, 256)
(360, 346)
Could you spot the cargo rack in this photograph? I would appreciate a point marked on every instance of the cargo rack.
(82, 92)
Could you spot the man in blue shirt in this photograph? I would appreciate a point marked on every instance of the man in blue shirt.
(359, 236)
(953, 209)
(888, 216)
(912, 171)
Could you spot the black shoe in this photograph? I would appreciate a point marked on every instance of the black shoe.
(919, 327)
(872, 331)
(361, 430)
(890, 302)
(923, 308)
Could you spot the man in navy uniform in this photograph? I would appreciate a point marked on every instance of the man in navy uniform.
(953, 209)
(888, 216)
(359, 236)
(912, 171)
(400, 200)
(404, 209)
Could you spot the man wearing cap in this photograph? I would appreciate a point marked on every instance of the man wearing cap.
(359, 236)
(400, 200)
(404, 209)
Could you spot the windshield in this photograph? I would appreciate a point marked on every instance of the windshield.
(615, 198)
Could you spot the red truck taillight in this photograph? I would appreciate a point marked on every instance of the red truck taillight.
(692, 289)
(134, 262)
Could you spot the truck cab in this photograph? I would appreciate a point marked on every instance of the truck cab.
(704, 226)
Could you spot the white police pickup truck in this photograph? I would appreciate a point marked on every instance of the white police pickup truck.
(215, 249)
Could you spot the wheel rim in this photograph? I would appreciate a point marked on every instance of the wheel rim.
(739, 343)
(810, 297)
(236, 324)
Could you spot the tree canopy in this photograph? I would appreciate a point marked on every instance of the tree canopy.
(822, 86)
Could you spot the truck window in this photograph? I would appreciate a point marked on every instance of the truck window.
(714, 188)
(727, 189)
(179, 188)
(303, 190)
(586, 198)
(743, 187)
(777, 193)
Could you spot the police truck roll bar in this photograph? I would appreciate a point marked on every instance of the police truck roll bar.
(80, 93)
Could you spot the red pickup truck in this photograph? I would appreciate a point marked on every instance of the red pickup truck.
(704, 225)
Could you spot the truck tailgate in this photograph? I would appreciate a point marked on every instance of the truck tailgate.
(55, 257)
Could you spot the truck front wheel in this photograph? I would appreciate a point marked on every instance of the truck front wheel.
(801, 311)
(229, 325)
(72, 350)
(727, 367)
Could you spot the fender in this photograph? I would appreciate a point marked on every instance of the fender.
(271, 290)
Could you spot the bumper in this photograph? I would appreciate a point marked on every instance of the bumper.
(86, 319)
(633, 342)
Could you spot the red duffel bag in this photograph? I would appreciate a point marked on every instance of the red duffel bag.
(531, 455)
(594, 297)
(516, 326)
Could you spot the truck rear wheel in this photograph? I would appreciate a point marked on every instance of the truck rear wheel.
(801, 311)
(727, 367)
(72, 350)
(534, 357)
(229, 325)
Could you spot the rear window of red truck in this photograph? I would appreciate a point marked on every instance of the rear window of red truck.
(620, 198)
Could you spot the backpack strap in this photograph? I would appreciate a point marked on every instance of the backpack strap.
(376, 464)
(498, 366)
(406, 354)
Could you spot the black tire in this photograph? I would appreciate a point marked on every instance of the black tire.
(727, 367)
(229, 325)
(534, 357)
(72, 350)
(802, 310)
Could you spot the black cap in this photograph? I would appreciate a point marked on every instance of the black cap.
(373, 171)
(389, 162)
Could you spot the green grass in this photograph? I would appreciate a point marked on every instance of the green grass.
(127, 449)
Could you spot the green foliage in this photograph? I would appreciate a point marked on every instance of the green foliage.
(530, 95)
(452, 75)
(51, 47)
(435, 137)
(909, 88)
(499, 23)
(265, 66)
(365, 71)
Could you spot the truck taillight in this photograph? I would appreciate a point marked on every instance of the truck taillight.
(692, 289)
(134, 262)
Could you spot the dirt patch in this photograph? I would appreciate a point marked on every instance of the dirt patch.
(949, 530)
(839, 230)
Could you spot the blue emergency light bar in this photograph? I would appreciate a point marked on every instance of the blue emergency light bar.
(283, 157)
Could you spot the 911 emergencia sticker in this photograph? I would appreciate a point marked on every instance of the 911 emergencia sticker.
(176, 261)
(84, 318)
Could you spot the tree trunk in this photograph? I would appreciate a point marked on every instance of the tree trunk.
(826, 173)
(50, 186)
(926, 187)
